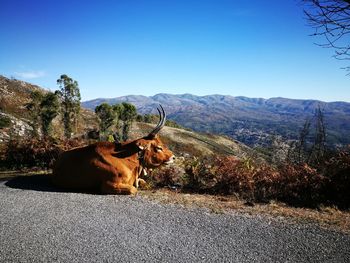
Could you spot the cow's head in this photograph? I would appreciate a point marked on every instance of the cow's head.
(153, 152)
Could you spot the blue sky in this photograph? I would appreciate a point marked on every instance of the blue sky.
(114, 48)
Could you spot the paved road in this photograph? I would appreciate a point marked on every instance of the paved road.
(40, 224)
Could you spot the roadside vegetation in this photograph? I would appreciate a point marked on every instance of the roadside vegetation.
(34, 153)
(306, 175)
(298, 185)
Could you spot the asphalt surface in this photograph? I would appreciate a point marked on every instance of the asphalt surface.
(40, 224)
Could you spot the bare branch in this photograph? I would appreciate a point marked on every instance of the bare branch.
(330, 20)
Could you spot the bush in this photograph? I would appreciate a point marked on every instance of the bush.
(220, 175)
(300, 185)
(199, 177)
(34, 153)
(4, 122)
(168, 176)
(338, 173)
(294, 184)
(265, 186)
(29, 153)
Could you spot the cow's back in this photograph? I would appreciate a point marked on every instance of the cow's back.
(77, 168)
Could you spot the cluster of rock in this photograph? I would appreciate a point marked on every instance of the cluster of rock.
(17, 128)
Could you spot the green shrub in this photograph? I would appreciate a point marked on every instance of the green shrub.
(199, 177)
(4, 122)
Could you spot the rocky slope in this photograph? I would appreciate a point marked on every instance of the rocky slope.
(15, 94)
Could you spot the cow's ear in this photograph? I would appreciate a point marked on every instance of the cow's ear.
(141, 145)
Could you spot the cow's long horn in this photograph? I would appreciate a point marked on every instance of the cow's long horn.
(161, 123)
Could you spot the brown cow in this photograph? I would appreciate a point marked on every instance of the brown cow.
(112, 168)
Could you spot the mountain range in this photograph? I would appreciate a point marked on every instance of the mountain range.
(254, 121)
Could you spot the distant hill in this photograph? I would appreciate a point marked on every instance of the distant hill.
(253, 121)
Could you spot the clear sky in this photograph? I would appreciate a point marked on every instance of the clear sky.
(144, 47)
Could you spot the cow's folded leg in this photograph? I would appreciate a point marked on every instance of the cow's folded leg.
(124, 189)
(140, 182)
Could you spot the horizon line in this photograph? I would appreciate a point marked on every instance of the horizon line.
(216, 94)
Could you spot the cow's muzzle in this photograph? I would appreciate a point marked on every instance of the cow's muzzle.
(171, 160)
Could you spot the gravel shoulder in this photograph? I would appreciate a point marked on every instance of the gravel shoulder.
(41, 224)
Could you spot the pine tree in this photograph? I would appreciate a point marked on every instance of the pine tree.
(125, 115)
(49, 109)
(34, 111)
(118, 111)
(70, 96)
(128, 116)
(106, 115)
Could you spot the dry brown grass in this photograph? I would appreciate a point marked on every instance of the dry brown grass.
(184, 142)
(325, 217)
(6, 175)
(29, 153)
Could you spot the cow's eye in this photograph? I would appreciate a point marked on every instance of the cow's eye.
(159, 148)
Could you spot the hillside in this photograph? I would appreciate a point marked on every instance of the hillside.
(183, 142)
(251, 120)
(15, 94)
